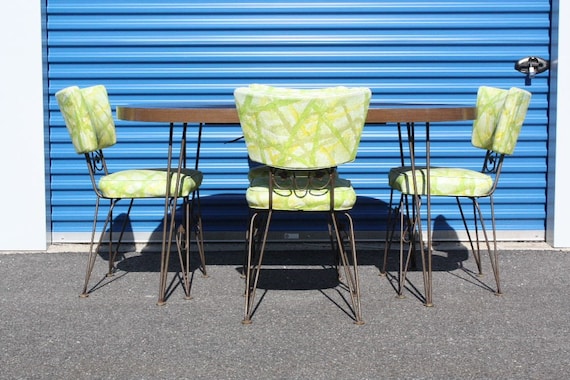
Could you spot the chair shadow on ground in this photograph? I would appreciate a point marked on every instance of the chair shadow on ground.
(451, 258)
(367, 212)
(148, 258)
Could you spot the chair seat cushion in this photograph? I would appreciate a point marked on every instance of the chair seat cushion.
(298, 194)
(443, 181)
(147, 183)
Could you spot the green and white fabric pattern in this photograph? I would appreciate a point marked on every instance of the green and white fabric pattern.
(443, 181)
(88, 117)
(500, 115)
(89, 121)
(299, 193)
(147, 183)
(301, 131)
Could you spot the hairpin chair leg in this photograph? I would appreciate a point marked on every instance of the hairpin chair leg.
(493, 252)
(495, 255)
(390, 227)
(474, 245)
(199, 231)
(92, 253)
(253, 266)
(192, 221)
(351, 274)
(112, 250)
(183, 242)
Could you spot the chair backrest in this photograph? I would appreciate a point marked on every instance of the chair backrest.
(88, 117)
(300, 128)
(500, 115)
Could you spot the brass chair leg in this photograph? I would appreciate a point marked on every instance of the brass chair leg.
(199, 236)
(252, 270)
(495, 258)
(183, 237)
(478, 219)
(92, 253)
(350, 271)
(410, 237)
(475, 248)
(390, 227)
(192, 222)
(111, 248)
(196, 222)
(493, 252)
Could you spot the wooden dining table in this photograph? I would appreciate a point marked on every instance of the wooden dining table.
(183, 114)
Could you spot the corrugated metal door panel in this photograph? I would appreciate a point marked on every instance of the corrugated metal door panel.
(438, 51)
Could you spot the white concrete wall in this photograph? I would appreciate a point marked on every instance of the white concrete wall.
(558, 203)
(23, 184)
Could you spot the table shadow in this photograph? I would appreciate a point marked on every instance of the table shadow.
(368, 212)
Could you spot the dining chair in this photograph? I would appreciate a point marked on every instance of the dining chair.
(301, 136)
(500, 116)
(89, 121)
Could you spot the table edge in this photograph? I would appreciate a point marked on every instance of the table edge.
(229, 115)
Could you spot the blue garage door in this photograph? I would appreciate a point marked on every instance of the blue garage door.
(404, 51)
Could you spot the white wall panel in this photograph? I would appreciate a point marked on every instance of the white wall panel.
(22, 153)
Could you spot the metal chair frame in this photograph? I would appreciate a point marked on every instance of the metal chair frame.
(411, 227)
(340, 236)
(191, 222)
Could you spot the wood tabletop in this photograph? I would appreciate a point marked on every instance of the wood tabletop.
(227, 114)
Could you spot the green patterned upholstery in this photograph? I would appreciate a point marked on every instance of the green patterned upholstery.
(89, 121)
(299, 137)
(500, 115)
(300, 192)
(301, 131)
(88, 117)
(444, 181)
(147, 183)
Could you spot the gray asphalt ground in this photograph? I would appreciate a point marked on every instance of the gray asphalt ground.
(301, 328)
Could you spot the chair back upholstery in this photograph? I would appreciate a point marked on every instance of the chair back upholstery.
(88, 117)
(299, 128)
(500, 115)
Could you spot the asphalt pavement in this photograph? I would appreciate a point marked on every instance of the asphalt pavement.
(302, 328)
